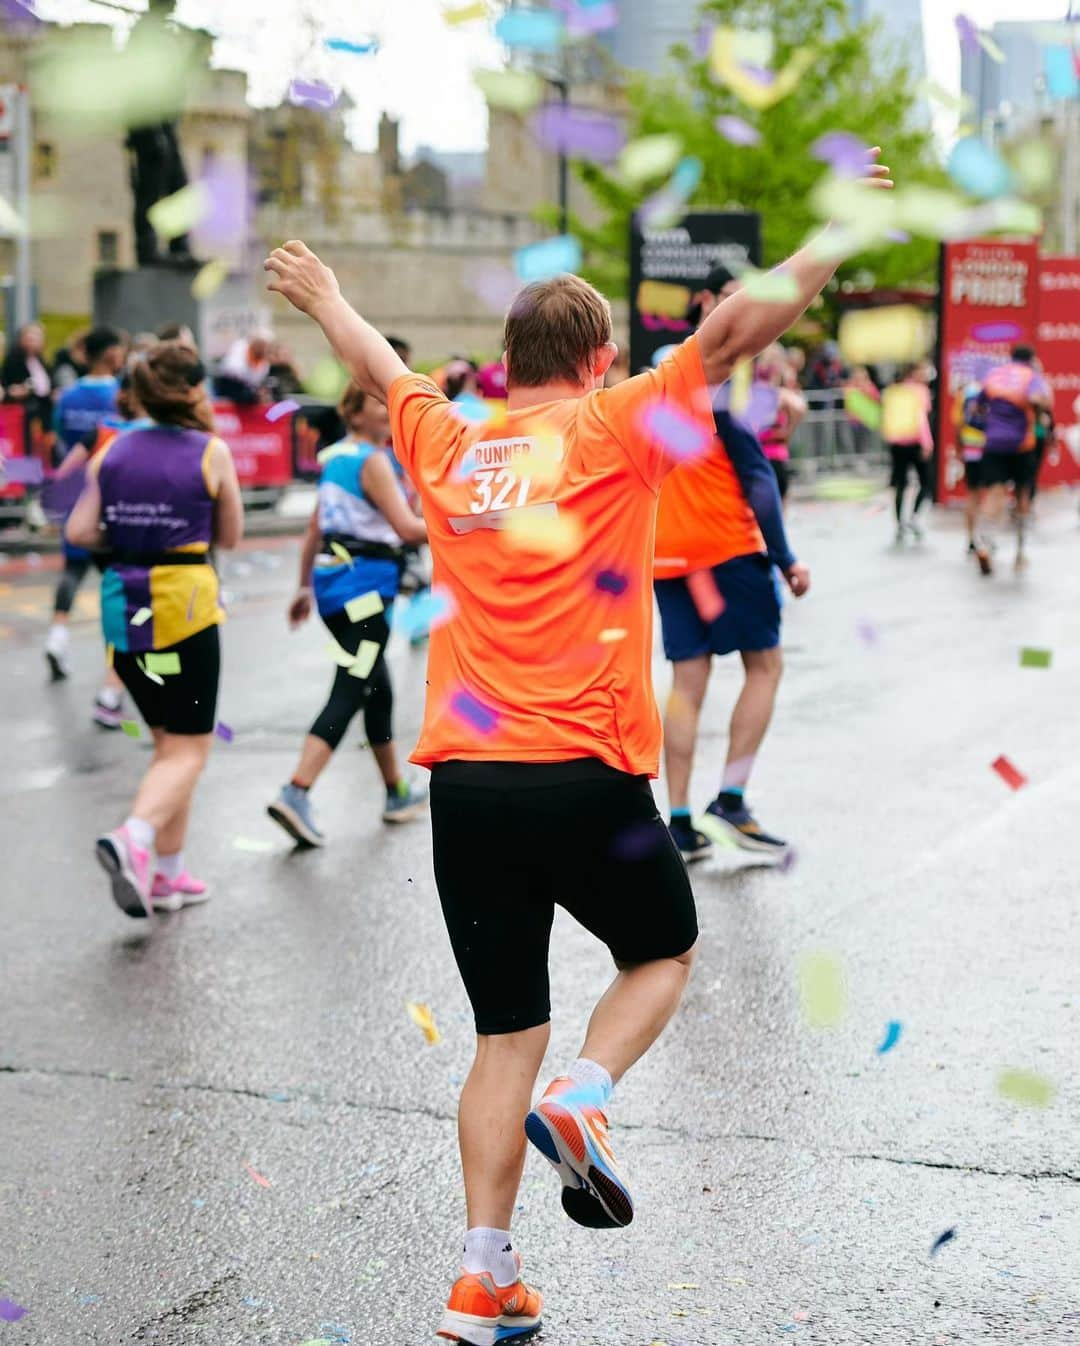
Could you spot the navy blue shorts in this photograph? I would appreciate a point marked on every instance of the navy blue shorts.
(750, 619)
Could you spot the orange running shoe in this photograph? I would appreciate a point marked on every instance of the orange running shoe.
(481, 1313)
(570, 1130)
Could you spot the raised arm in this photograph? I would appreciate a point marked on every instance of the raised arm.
(310, 286)
(742, 326)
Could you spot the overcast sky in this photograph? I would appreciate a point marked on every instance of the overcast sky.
(420, 54)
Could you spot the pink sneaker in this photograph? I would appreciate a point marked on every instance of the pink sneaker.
(129, 869)
(172, 894)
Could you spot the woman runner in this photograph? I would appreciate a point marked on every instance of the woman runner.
(351, 564)
(162, 496)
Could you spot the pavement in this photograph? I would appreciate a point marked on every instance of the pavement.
(225, 1128)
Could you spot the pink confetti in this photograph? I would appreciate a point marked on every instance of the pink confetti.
(473, 711)
(263, 1182)
(678, 433)
(738, 131)
(706, 597)
(280, 409)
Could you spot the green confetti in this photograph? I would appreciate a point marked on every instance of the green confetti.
(143, 615)
(845, 488)
(327, 380)
(862, 408)
(367, 605)
(515, 90)
(149, 673)
(1025, 1086)
(365, 659)
(649, 157)
(164, 663)
(1033, 658)
(177, 214)
(771, 287)
(342, 553)
(131, 728)
(823, 990)
(255, 847)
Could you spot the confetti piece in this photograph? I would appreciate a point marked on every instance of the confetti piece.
(845, 488)
(368, 48)
(210, 279)
(581, 133)
(1025, 1086)
(177, 214)
(771, 287)
(426, 611)
(667, 301)
(311, 93)
(727, 68)
(587, 17)
(967, 33)
(893, 1029)
(1033, 658)
(1035, 164)
(143, 615)
(681, 435)
(149, 673)
(737, 131)
(946, 1236)
(846, 154)
(514, 90)
(367, 605)
(1060, 69)
(224, 732)
(611, 582)
(282, 409)
(822, 990)
(899, 332)
(131, 728)
(327, 380)
(422, 1018)
(683, 1285)
(365, 659)
(10, 1312)
(473, 711)
(997, 331)
(903, 413)
(542, 528)
(991, 47)
(612, 634)
(649, 157)
(861, 407)
(465, 13)
(704, 594)
(21, 471)
(1013, 778)
(978, 170)
(541, 261)
(253, 845)
(164, 663)
(258, 1177)
(536, 29)
(342, 553)
(866, 631)
(110, 654)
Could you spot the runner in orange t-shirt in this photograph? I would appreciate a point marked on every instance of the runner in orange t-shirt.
(541, 728)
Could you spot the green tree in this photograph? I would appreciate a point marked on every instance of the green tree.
(854, 85)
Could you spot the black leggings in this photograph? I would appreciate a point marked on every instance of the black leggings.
(372, 694)
(904, 458)
(75, 568)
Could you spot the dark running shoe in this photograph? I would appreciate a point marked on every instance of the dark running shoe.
(693, 845)
(726, 825)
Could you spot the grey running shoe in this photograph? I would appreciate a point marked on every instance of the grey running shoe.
(407, 802)
(292, 810)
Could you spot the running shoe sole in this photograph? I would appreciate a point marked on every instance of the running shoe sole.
(291, 821)
(570, 1149)
(57, 671)
(724, 833)
(692, 857)
(405, 815)
(469, 1330)
(125, 888)
(104, 720)
(178, 901)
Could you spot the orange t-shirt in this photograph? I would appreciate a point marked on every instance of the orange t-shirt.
(541, 532)
(704, 519)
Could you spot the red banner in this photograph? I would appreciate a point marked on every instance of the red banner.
(12, 444)
(988, 302)
(261, 448)
(1057, 340)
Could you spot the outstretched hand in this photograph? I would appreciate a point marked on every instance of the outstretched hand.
(305, 281)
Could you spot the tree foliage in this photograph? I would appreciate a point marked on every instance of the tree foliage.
(855, 84)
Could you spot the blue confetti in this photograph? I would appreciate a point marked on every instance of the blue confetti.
(428, 609)
(978, 170)
(946, 1237)
(368, 48)
(552, 257)
(1061, 81)
(611, 582)
(537, 29)
(893, 1029)
(473, 711)
(472, 409)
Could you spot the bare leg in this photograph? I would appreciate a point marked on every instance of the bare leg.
(168, 785)
(691, 678)
(1023, 514)
(971, 513)
(752, 713)
(314, 756)
(634, 1011)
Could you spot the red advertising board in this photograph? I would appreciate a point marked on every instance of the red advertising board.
(261, 448)
(12, 445)
(1057, 340)
(989, 301)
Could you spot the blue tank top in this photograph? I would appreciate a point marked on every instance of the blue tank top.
(346, 512)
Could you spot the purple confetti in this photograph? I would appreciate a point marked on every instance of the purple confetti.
(737, 131)
(762, 407)
(678, 433)
(466, 707)
(583, 19)
(759, 74)
(231, 196)
(997, 331)
(845, 154)
(866, 631)
(10, 1312)
(611, 582)
(14, 14)
(280, 409)
(311, 93)
(579, 132)
(21, 472)
(58, 496)
(968, 34)
(787, 861)
(224, 732)
(898, 236)
(703, 39)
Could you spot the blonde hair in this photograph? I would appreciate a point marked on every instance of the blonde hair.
(553, 329)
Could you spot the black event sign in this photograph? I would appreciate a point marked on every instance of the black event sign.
(681, 257)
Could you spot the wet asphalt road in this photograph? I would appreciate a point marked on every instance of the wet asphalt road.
(789, 1180)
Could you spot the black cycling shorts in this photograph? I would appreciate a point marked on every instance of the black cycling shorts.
(513, 839)
(184, 702)
(1020, 468)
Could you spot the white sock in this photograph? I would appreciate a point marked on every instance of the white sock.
(172, 866)
(141, 832)
(109, 696)
(491, 1250)
(58, 638)
(593, 1074)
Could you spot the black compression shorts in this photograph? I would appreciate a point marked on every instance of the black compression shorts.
(184, 702)
(1020, 468)
(513, 839)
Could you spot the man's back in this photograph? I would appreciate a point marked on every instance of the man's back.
(1009, 391)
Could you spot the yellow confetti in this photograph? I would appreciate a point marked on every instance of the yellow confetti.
(741, 377)
(1025, 1086)
(683, 1285)
(253, 845)
(542, 528)
(465, 13)
(753, 46)
(340, 655)
(931, 211)
(771, 287)
(543, 460)
(365, 659)
(662, 299)
(514, 90)
(367, 605)
(990, 47)
(1036, 164)
(110, 654)
(822, 989)
(327, 380)
(611, 634)
(210, 279)
(422, 1017)
(342, 553)
(727, 68)
(649, 157)
(175, 215)
(875, 335)
(143, 615)
(903, 412)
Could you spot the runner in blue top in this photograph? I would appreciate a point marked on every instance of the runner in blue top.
(351, 565)
(79, 412)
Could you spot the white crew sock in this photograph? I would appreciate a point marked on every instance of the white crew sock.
(58, 638)
(141, 832)
(490, 1250)
(172, 866)
(592, 1074)
(109, 696)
